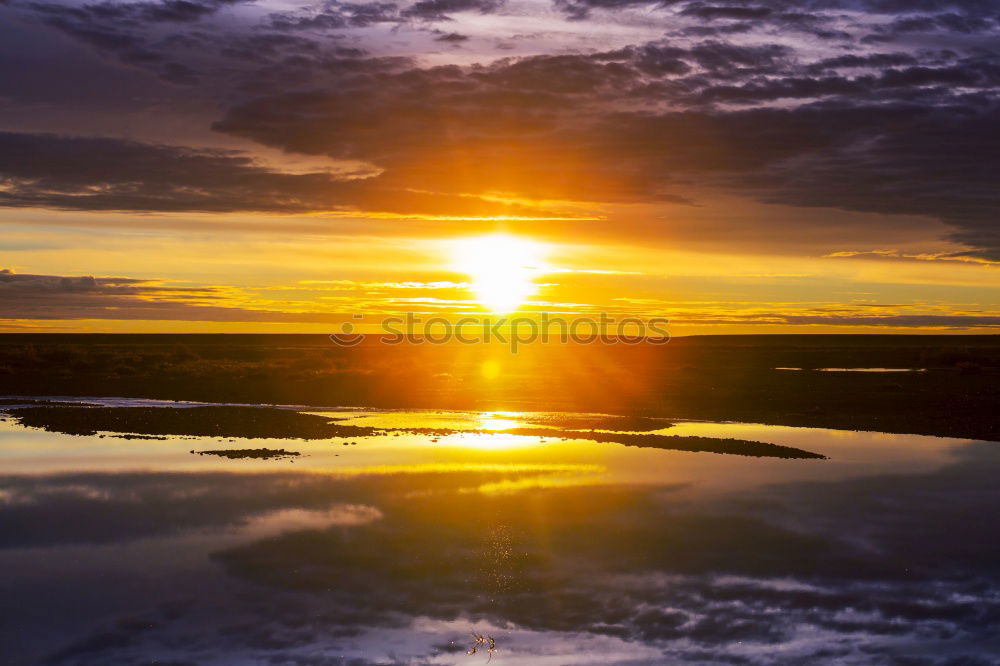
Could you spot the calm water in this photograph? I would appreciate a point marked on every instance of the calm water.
(403, 549)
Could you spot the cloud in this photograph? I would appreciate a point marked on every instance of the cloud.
(855, 314)
(772, 574)
(12, 283)
(77, 173)
(712, 12)
(896, 255)
(581, 9)
(113, 508)
(716, 105)
(27, 296)
(839, 319)
(56, 297)
(587, 127)
(335, 15)
(451, 37)
(122, 30)
(953, 22)
(438, 10)
(708, 579)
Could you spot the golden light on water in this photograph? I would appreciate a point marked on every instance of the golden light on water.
(502, 269)
(490, 441)
(500, 421)
(491, 435)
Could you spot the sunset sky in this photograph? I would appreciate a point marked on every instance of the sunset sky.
(736, 166)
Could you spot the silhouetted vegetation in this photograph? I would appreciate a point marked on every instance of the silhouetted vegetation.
(259, 454)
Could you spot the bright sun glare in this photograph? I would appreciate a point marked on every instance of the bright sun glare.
(502, 269)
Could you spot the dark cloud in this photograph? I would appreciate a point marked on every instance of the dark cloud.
(335, 15)
(722, 59)
(134, 13)
(712, 12)
(49, 171)
(126, 31)
(12, 283)
(851, 126)
(966, 24)
(187, 43)
(437, 10)
(127, 46)
(49, 297)
(451, 37)
(902, 160)
(111, 174)
(897, 321)
(57, 297)
(824, 19)
(873, 61)
(886, 139)
(717, 30)
(27, 296)
(580, 9)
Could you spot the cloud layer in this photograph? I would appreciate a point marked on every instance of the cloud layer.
(872, 106)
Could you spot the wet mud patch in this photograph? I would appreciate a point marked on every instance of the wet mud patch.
(731, 446)
(255, 454)
(210, 421)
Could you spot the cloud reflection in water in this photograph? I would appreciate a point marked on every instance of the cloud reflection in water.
(852, 562)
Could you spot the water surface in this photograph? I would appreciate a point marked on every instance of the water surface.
(419, 547)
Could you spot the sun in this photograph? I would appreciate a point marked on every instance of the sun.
(502, 269)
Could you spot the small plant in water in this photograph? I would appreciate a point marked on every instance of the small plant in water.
(480, 642)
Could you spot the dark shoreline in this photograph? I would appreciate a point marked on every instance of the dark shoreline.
(719, 378)
(263, 423)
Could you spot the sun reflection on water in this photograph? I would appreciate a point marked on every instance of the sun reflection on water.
(500, 421)
(490, 440)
